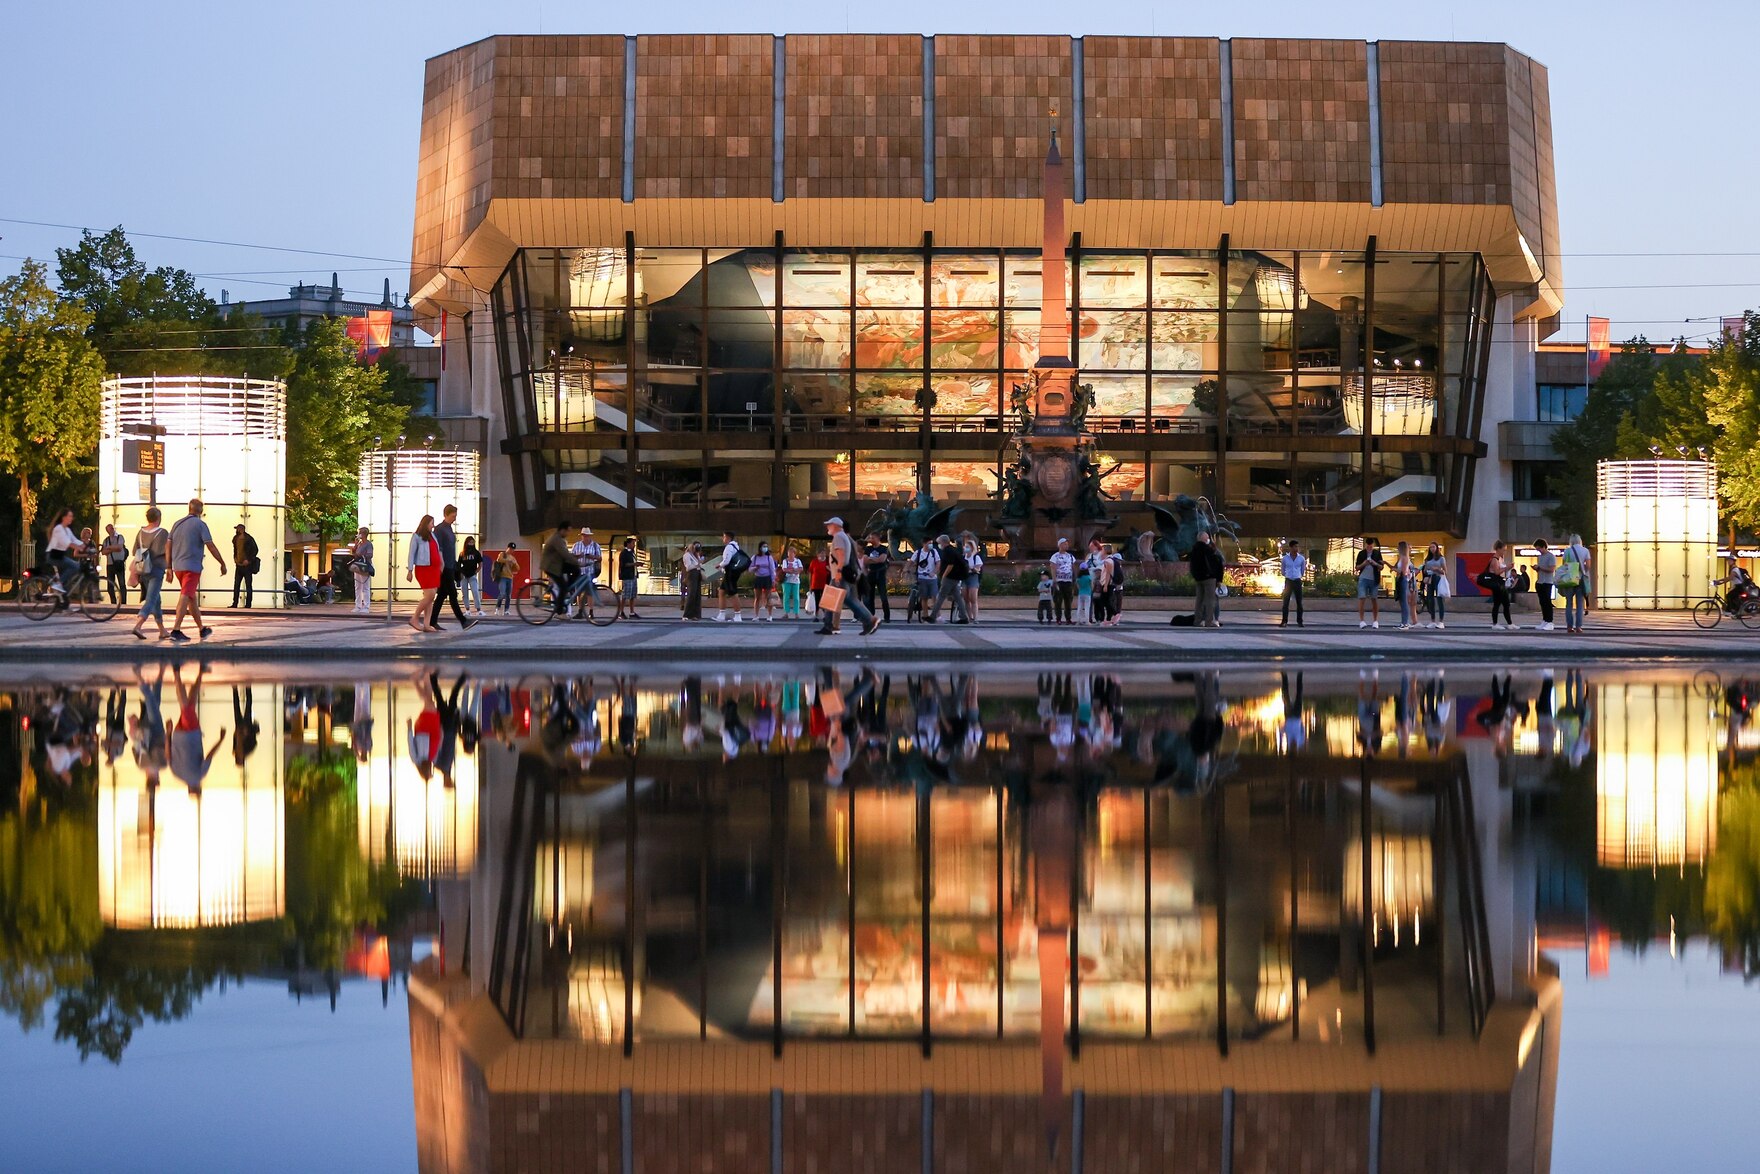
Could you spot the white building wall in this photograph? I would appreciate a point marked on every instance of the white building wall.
(471, 386)
(1509, 395)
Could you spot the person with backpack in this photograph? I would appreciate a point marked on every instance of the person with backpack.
(470, 577)
(974, 555)
(1572, 580)
(152, 555)
(1098, 571)
(114, 548)
(1114, 585)
(733, 562)
(845, 570)
(245, 564)
(926, 564)
(1370, 564)
(506, 571)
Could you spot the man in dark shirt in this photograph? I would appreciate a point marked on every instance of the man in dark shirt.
(244, 564)
(875, 558)
(953, 580)
(1206, 564)
(447, 539)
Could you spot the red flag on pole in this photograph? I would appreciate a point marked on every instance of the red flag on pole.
(1599, 348)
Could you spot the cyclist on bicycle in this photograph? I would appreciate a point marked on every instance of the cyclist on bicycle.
(1741, 588)
(65, 552)
(559, 564)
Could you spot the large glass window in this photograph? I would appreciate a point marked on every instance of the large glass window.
(1560, 403)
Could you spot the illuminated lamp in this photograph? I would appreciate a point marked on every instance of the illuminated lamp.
(563, 399)
(1405, 403)
(1656, 524)
(398, 486)
(1277, 289)
(225, 441)
(416, 800)
(170, 857)
(1655, 775)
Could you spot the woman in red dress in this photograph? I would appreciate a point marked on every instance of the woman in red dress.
(424, 571)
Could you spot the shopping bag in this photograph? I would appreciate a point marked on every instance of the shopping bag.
(831, 599)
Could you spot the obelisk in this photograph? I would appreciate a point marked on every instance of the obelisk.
(1053, 373)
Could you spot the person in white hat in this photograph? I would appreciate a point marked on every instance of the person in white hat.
(845, 572)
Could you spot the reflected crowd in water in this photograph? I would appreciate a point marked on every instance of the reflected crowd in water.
(1330, 858)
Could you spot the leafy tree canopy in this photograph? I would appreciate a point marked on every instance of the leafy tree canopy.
(49, 383)
(145, 321)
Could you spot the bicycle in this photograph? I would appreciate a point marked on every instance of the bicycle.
(1708, 613)
(536, 602)
(38, 599)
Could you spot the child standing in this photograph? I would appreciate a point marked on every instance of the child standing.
(1045, 589)
(791, 567)
(1084, 594)
(818, 576)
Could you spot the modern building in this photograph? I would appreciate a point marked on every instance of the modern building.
(697, 282)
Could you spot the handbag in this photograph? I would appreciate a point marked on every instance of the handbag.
(831, 599)
(1570, 571)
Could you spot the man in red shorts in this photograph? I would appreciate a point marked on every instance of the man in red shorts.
(189, 538)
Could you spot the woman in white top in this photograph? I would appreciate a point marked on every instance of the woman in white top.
(64, 551)
(691, 582)
(1403, 574)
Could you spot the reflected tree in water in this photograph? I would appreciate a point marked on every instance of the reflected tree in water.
(1732, 880)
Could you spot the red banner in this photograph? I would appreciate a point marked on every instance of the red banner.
(1600, 348)
(372, 332)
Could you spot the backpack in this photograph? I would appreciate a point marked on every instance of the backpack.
(738, 563)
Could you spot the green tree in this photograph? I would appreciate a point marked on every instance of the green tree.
(1728, 385)
(1622, 417)
(145, 321)
(49, 381)
(335, 406)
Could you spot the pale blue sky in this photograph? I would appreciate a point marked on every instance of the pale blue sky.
(296, 125)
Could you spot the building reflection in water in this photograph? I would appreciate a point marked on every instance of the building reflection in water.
(416, 777)
(1656, 776)
(910, 922)
(191, 827)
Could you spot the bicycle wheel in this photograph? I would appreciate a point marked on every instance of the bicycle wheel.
(601, 605)
(35, 599)
(1707, 683)
(1749, 614)
(98, 606)
(535, 602)
(1707, 612)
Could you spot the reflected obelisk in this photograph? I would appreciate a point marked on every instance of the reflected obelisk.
(1053, 842)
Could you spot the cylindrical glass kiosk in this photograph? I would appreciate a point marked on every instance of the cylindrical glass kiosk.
(398, 486)
(1656, 534)
(225, 441)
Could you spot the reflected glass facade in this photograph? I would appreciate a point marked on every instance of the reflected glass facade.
(1312, 393)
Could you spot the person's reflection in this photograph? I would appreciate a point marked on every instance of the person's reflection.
(115, 724)
(763, 718)
(423, 735)
(690, 712)
(189, 764)
(1402, 714)
(793, 725)
(448, 719)
(1545, 722)
(1206, 730)
(734, 733)
(1498, 719)
(244, 725)
(627, 710)
(148, 732)
(1574, 717)
(1437, 709)
(360, 725)
(1369, 712)
(1295, 727)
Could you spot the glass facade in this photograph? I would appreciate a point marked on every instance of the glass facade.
(1306, 391)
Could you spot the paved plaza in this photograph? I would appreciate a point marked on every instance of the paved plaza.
(1007, 632)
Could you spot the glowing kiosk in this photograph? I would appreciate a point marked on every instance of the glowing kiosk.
(1655, 776)
(221, 439)
(192, 836)
(1656, 528)
(416, 791)
(398, 486)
